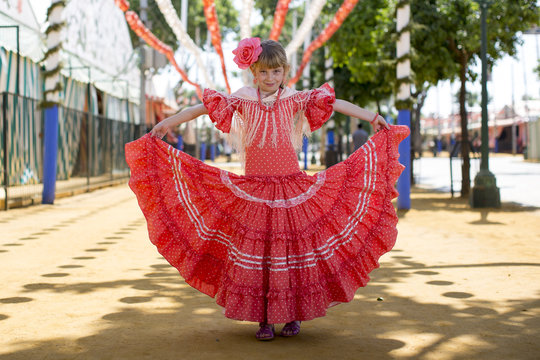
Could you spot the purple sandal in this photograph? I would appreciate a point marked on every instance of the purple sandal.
(266, 332)
(291, 329)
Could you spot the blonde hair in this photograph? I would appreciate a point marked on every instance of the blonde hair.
(272, 56)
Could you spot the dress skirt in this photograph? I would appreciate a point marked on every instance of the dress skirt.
(270, 248)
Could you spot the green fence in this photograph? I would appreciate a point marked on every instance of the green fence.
(90, 150)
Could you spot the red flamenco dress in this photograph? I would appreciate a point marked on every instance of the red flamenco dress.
(276, 244)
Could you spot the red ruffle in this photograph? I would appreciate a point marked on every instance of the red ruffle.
(320, 106)
(219, 109)
(263, 261)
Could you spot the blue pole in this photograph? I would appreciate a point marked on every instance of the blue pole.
(202, 155)
(304, 149)
(212, 152)
(330, 138)
(404, 181)
(50, 153)
(180, 143)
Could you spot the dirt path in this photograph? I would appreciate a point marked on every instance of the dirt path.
(80, 280)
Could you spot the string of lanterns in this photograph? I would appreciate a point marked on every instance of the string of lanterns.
(331, 28)
(143, 32)
(245, 26)
(179, 29)
(305, 27)
(279, 18)
(122, 5)
(213, 25)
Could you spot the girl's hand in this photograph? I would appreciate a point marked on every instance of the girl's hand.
(379, 123)
(160, 129)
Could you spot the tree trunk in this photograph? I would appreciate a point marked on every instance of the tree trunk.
(322, 150)
(418, 112)
(465, 167)
(416, 137)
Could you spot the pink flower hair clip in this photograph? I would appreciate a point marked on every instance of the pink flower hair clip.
(247, 52)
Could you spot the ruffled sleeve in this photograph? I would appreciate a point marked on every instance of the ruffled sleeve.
(319, 106)
(220, 109)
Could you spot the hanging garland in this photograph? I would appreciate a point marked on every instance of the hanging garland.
(305, 27)
(331, 28)
(53, 65)
(279, 18)
(143, 32)
(245, 28)
(122, 4)
(168, 11)
(213, 26)
(245, 31)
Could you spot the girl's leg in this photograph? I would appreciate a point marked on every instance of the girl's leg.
(291, 329)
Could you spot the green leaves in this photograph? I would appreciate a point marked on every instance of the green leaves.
(445, 40)
(363, 50)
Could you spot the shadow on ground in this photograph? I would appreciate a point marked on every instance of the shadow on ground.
(429, 201)
(191, 326)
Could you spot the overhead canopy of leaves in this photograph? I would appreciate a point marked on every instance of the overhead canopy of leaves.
(505, 20)
(363, 50)
(431, 61)
(445, 35)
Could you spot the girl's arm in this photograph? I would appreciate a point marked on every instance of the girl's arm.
(188, 114)
(345, 107)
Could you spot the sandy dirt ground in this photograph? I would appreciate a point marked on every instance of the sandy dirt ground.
(80, 280)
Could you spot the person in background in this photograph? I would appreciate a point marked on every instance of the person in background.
(360, 137)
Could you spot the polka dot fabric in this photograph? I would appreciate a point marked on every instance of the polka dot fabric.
(270, 129)
(320, 106)
(270, 248)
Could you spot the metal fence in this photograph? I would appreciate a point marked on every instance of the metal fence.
(90, 150)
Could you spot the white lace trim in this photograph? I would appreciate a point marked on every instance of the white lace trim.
(276, 203)
(281, 126)
(284, 124)
(280, 263)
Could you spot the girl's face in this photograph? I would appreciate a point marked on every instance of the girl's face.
(269, 80)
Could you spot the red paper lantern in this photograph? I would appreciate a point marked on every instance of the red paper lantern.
(122, 4)
(279, 18)
(213, 26)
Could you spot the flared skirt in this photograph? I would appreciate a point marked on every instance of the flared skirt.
(270, 248)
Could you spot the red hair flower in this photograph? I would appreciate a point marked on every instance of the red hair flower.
(247, 52)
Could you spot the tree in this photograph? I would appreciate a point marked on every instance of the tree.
(461, 22)
(363, 51)
(471, 98)
(366, 47)
(430, 63)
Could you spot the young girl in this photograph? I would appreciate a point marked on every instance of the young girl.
(275, 245)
